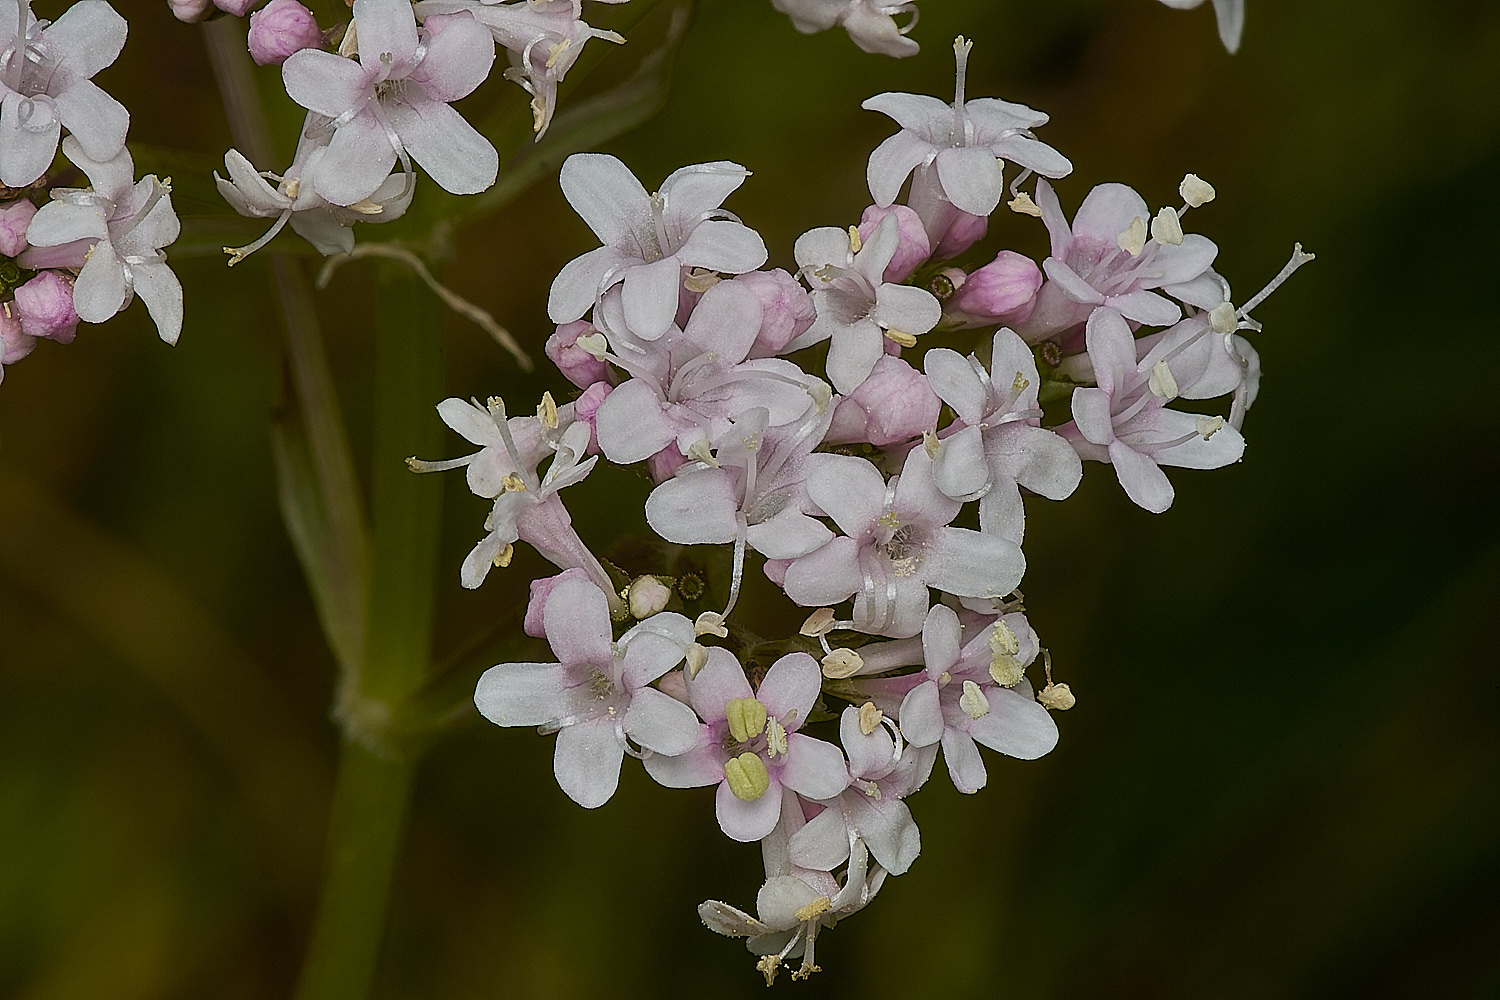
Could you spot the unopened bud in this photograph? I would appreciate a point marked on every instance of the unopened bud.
(1002, 291)
(842, 663)
(912, 245)
(280, 29)
(1196, 191)
(648, 595)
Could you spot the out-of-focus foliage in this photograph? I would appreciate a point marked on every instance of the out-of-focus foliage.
(1283, 774)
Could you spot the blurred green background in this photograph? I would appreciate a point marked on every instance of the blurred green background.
(1282, 778)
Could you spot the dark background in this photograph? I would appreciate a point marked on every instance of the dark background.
(1280, 779)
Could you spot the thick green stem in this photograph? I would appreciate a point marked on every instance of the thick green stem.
(369, 811)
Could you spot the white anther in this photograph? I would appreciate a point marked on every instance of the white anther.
(1196, 191)
(546, 411)
(818, 623)
(697, 656)
(931, 444)
(869, 718)
(1161, 383)
(842, 663)
(1166, 227)
(593, 344)
(1222, 318)
(973, 702)
(710, 623)
(1022, 204)
(775, 738)
(1208, 426)
(699, 451)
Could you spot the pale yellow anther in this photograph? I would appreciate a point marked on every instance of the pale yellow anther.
(855, 243)
(1019, 383)
(647, 595)
(1057, 697)
(890, 520)
(775, 738)
(817, 623)
(505, 555)
(1006, 670)
(944, 679)
(1196, 191)
(366, 207)
(747, 777)
(1003, 639)
(700, 280)
(546, 411)
(900, 339)
(554, 51)
(538, 113)
(931, 444)
(593, 344)
(710, 623)
(1133, 239)
(1022, 204)
(973, 702)
(699, 451)
(1166, 227)
(821, 393)
(1161, 382)
(814, 910)
(294, 187)
(697, 656)
(746, 718)
(842, 663)
(1208, 426)
(869, 718)
(1223, 318)
(767, 967)
(513, 483)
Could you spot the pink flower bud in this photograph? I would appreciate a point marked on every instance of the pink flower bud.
(894, 404)
(541, 590)
(912, 246)
(579, 366)
(664, 463)
(955, 232)
(45, 304)
(775, 570)
(786, 310)
(190, 11)
(235, 8)
(15, 216)
(1002, 291)
(586, 408)
(283, 27)
(14, 344)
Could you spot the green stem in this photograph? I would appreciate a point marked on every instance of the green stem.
(370, 803)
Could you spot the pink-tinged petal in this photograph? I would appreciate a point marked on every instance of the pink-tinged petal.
(725, 321)
(874, 30)
(971, 178)
(1142, 479)
(587, 761)
(697, 508)
(921, 715)
(1224, 447)
(960, 470)
(323, 231)
(849, 490)
(521, 694)
(917, 495)
(721, 918)
(159, 289)
(630, 424)
(789, 535)
(823, 842)
(974, 564)
(661, 723)
(853, 353)
(1111, 348)
(100, 290)
(871, 755)
(1145, 307)
(1108, 211)
(723, 245)
(744, 821)
(476, 565)
(358, 159)
(1015, 725)
(907, 309)
(25, 154)
(96, 120)
(58, 223)
(1033, 155)
(450, 149)
(896, 608)
(824, 245)
(387, 29)
(1037, 459)
(88, 37)
(789, 690)
(1186, 261)
(879, 250)
(604, 192)
(1001, 511)
(965, 766)
(653, 647)
(813, 768)
(703, 765)
(689, 192)
(323, 82)
(721, 680)
(825, 576)
(576, 620)
(1073, 286)
(1091, 414)
(940, 640)
(1052, 214)
(1010, 357)
(956, 383)
(650, 297)
(460, 53)
(888, 831)
(576, 286)
(927, 117)
(472, 422)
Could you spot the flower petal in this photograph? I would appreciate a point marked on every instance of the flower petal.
(604, 192)
(813, 768)
(521, 694)
(576, 620)
(450, 149)
(661, 723)
(587, 761)
(744, 821)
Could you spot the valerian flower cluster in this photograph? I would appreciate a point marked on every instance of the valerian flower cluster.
(794, 418)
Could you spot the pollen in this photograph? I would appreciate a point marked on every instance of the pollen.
(747, 777)
(814, 910)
